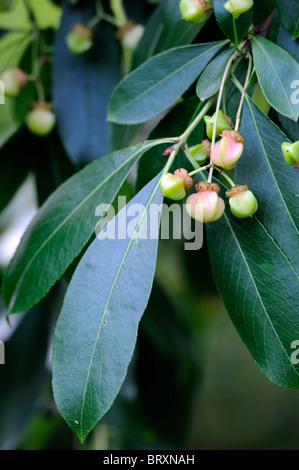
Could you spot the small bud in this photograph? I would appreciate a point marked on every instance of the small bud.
(188, 180)
(228, 150)
(130, 35)
(237, 7)
(41, 120)
(194, 11)
(173, 187)
(242, 201)
(291, 153)
(205, 205)
(79, 39)
(14, 81)
(223, 123)
(201, 151)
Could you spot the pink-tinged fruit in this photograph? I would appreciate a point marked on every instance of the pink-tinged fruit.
(205, 205)
(228, 150)
(188, 180)
(14, 81)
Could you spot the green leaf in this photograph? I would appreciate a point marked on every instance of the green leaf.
(21, 380)
(177, 31)
(292, 47)
(235, 30)
(289, 14)
(255, 261)
(159, 83)
(81, 98)
(277, 72)
(210, 80)
(97, 329)
(62, 227)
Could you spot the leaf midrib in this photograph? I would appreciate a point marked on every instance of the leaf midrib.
(268, 163)
(258, 294)
(109, 297)
(167, 77)
(281, 84)
(15, 291)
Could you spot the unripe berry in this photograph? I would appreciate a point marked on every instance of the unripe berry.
(130, 35)
(173, 187)
(201, 151)
(242, 201)
(14, 80)
(41, 120)
(237, 7)
(194, 11)
(205, 205)
(228, 150)
(223, 123)
(291, 153)
(79, 39)
(188, 180)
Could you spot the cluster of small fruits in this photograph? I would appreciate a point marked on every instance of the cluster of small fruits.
(195, 11)
(40, 119)
(205, 205)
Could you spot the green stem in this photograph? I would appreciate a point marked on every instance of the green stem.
(200, 169)
(235, 33)
(230, 181)
(181, 141)
(238, 117)
(223, 81)
(119, 12)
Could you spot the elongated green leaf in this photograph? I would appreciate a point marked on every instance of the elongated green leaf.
(83, 84)
(255, 261)
(289, 14)
(210, 80)
(277, 72)
(21, 380)
(177, 31)
(160, 82)
(235, 30)
(63, 226)
(96, 332)
(292, 47)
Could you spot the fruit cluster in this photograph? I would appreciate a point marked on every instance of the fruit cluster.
(205, 205)
(40, 119)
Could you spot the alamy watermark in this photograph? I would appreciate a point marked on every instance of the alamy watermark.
(2, 353)
(295, 94)
(136, 221)
(2, 92)
(295, 354)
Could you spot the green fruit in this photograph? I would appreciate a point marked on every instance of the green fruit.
(194, 11)
(222, 124)
(79, 39)
(13, 80)
(291, 152)
(201, 151)
(237, 7)
(41, 120)
(242, 202)
(173, 187)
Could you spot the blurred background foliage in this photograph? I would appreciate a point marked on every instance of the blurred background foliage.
(192, 383)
